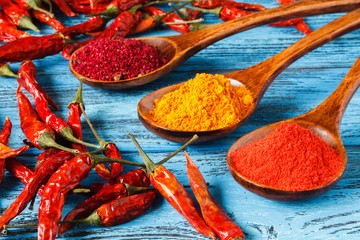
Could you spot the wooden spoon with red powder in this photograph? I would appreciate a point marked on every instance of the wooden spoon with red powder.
(181, 47)
(317, 156)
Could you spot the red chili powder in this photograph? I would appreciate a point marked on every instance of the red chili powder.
(290, 158)
(115, 59)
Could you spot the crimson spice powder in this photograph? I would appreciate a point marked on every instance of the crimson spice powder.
(116, 59)
(290, 158)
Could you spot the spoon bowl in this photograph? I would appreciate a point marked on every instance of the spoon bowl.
(179, 48)
(279, 194)
(257, 79)
(164, 45)
(323, 121)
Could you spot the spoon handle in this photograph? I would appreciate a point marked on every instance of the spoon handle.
(200, 39)
(329, 113)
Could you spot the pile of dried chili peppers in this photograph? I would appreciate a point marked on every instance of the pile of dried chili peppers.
(65, 162)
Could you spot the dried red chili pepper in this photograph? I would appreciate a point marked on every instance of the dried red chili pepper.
(64, 7)
(74, 120)
(76, 109)
(41, 104)
(86, 8)
(6, 132)
(173, 18)
(211, 4)
(95, 23)
(8, 30)
(33, 4)
(52, 201)
(27, 79)
(19, 170)
(136, 177)
(214, 216)
(4, 141)
(105, 195)
(18, 15)
(31, 48)
(122, 24)
(298, 23)
(120, 210)
(172, 190)
(47, 153)
(120, 27)
(40, 176)
(37, 132)
(118, 6)
(51, 21)
(60, 183)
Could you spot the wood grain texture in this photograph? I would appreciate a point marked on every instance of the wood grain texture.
(300, 88)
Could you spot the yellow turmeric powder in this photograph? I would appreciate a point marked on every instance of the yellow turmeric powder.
(206, 102)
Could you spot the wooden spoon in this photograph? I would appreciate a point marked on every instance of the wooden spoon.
(181, 47)
(323, 121)
(256, 78)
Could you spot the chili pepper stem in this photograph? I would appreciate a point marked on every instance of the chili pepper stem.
(6, 71)
(79, 99)
(48, 2)
(165, 1)
(150, 165)
(215, 11)
(194, 138)
(31, 207)
(185, 22)
(96, 159)
(81, 190)
(67, 134)
(159, 18)
(198, 26)
(94, 152)
(46, 140)
(133, 189)
(33, 5)
(4, 231)
(25, 22)
(93, 219)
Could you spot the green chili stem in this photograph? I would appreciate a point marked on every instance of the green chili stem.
(46, 140)
(215, 11)
(198, 26)
(6, 71)
(101, 142)
(5, 227)
(48, 2)
(177, 10)
(185, 22)
(67, 134)
(93, 219)
(25, 22)
(133, 189)
(79, 99)
(194, 138)
(94, 152)
(81, 190)
(33, 5)
(150, 165)
(168, 1)
(96, 159)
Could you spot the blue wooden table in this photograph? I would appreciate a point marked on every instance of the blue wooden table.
(301, 87)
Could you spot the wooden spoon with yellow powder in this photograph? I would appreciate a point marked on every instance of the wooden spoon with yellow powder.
(211, 107)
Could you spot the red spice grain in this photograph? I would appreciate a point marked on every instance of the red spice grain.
(290, 158)
(116, 59)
